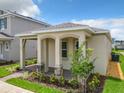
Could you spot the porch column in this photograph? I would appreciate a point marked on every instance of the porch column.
(71, 49)
(45, 44)
(22, 53)
(82, 40)
(57, 57)
(39, 47)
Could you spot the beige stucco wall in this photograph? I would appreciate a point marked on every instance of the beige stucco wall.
(66, 62)
(102, 50)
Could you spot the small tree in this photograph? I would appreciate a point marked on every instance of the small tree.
(82, 65)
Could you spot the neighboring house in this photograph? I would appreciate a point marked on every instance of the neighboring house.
(113, 43)
(119, 44)
(55, 43)
(12, 23)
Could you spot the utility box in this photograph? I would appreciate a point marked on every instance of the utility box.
(115, 57)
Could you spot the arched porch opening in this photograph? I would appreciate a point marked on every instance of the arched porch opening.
(48, 53)
(68, 46)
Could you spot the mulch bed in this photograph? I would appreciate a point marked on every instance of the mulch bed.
(66, 86)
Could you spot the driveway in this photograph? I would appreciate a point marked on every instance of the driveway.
(8, 88)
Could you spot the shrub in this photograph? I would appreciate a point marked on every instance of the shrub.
(35, 61)
(11, 69)
(34, 75)
(41, 77)
(26, 75)
(94, 83)
(17, 68)
(62, 81)
(73, 83)
(53, 79)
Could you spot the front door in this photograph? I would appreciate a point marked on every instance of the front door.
(1, 50)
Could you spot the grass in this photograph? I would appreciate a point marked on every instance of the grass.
(113, 85)
(121, 58)
(35, 87)
(4, 69)
(122, 62)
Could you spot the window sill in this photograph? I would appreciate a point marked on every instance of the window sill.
(64, 58)
(6, 49)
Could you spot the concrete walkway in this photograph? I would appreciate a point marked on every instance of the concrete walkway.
(114, 70)
(8, 88)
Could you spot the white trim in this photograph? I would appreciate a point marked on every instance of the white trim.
(25, 34)
(64, 40)
(61, 30)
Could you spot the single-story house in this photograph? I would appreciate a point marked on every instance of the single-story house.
(55, 43)
(119, 44)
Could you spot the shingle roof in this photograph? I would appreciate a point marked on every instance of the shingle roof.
(25, 17)
(98, 29)
(64, 25)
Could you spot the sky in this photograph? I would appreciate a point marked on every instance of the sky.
(107, 14)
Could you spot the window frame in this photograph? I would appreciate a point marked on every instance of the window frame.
(65, 49)
(76, 41)
(7, 44)
(3, 24)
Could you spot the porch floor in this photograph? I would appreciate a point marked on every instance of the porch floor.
(66, 73)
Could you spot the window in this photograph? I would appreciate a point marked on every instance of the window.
(64, 49)
(3, 23)
(6, 46)
(76, 44)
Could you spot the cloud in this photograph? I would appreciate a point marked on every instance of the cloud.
(39, 1)
(115, 25)
(24, 7)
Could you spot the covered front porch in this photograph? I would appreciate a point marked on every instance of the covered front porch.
(54, 51)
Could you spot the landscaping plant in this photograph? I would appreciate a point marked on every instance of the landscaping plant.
(53, 79)
(42, 77)
(82, 65)
(26, 75)
(62, 81)
(33, 75)
(94, 83)
(73, 83)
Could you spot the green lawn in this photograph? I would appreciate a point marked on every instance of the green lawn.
(35, 87)
(121, 58)
(4, 71)
(113, 86)
(122, 62)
